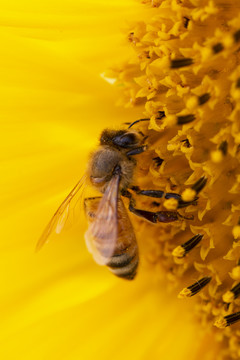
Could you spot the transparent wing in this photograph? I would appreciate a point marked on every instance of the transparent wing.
(102, 234)
(61, 215)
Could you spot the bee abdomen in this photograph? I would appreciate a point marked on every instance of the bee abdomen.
(124, 265)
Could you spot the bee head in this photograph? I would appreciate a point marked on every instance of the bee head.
(121, 139)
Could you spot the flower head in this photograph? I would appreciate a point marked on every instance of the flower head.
(185, 71)
(184, 75)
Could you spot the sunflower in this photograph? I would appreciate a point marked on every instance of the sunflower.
(177, 65)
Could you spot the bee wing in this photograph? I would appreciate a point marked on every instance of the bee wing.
(102, 234)
(61, 215)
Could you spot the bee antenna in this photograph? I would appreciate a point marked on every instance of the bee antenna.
(137, 121)
(160, 116)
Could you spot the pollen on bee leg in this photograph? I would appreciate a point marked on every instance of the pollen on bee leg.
(227, 320)
(194, 288)
(189, 195)
(171, 204)
(182, 250)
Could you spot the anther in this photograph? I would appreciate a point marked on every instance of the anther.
(227, 320)
(236, 36)
(199, 185)
(182, 250)
(186, 143)
(217, 48)
(203, 98)
(232, 294)
(190, 193)
(238, 83)
(194, 288)
(179, 63)
(161, 114)
(181, 120)
(185, 22)
(158, 161)
(223, 147)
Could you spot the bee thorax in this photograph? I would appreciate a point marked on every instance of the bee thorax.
(102, 166)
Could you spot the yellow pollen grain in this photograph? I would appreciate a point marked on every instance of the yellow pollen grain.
(185, 293)
(171, 120)
(235, 274)
(178, 252)
(192, 103)
(220, 323)
(228, 41)
(236, 232)
(171, 204)
(188, 195)
(206, 53)
(237, 138)
(217, 156)
(236, 94)
(228, 297)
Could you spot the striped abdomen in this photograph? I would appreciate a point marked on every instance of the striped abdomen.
(115, 245)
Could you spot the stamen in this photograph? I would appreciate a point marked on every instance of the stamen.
(217, 48)
(190, 193)
(158, 161)
(223, 147)
(179, 63)
(236, 36)
(181, 120)
(227, 320)
(182, 250)
(199, 185)
(186, 143)
(203, 98)
(185, 22)
(194, 288)
(232, 294)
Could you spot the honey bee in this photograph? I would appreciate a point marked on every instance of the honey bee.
(110, 236)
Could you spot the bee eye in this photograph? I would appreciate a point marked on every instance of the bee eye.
(126, 140)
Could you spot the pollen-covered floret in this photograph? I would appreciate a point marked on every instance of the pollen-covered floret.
(186, 65)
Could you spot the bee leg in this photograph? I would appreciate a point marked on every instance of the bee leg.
(161, 194)
(159, 216)
(89, 204)
(197, 187)
(126, 193)
(137, 150)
